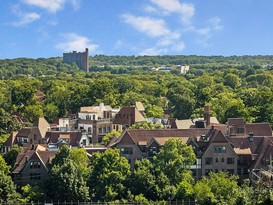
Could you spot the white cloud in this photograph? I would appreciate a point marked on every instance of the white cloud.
(24, 18)
(76, 4)
(150, 26)
(75, 42)
(153, 52)
(215, 23)
(185, 10)
(50, 5)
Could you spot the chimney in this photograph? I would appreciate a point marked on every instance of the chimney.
(207, 114)
(250, 136)
(26, 159)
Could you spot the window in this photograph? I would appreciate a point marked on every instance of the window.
(127, 150)
(231, 171)
(207, 171)
(35, 176)
(208, 161)
(216, 159)
(100, 130)
(89, 130)
(94, 117)
(154, 150)
(104, 129)
(35, 137)
(221, 149)
(216, 171)
(108, 129)
(35, 165)
(223, 159)
(230, 160)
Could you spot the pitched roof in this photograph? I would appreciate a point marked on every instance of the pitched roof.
(238, 122)
(142, 135)
(31, 153)
(24, 132)
(42, 124)
(73, 136)
(259, 129)
(218, 137)
(128, 116)
(162, 140)
(10, 141)
(140, 107)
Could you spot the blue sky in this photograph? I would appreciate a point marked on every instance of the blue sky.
(47, 28)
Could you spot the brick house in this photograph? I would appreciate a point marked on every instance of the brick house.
(31, 167)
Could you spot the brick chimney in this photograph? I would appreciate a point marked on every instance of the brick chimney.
(207, 114)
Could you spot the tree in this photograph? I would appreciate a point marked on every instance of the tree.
(66, 183)
(10, 156)
(32, 194)
(232, 80)
(174, 158)
(142, 179)
(185, 187)
(153, 111)
(109, 136)
(109, 172)
(220, 188)
(145, 125)
(7, 188)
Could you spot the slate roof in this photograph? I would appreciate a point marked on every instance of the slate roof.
(128, 116)
(141, 135)
(238, 122)
(259, 129)
(11, 140)
(73, 136)
(38, 150)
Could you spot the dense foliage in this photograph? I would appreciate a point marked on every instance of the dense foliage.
(233, 86)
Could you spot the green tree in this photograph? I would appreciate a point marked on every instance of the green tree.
(232, 80)
(219, 188)
(185, 187)
(10, 156)
(153, 111)
(142, 179)
(109, 136)
(109, 172)
(66, 183)
(174, 158)
(8, 192)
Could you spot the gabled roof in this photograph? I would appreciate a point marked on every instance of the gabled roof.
(128, 116)
(245, 143)
(73, 136)
(140, 107)
(142, 135)
(218, 137)
(162, 140)
(11, 140)
(259, 129)
(42, 124)
(37, 153)
(238, 122)
(24, 132)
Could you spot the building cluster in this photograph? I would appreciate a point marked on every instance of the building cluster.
(236, 147)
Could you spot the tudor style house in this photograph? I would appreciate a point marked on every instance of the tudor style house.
(28, 135)
(31, 167)
(236, 147)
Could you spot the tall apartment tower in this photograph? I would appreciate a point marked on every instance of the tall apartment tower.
(80, 58)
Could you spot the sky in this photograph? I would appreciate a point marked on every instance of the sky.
(47, 28)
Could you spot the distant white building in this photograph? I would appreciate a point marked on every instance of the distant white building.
(184, 69)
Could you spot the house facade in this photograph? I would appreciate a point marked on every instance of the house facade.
(31, 167)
